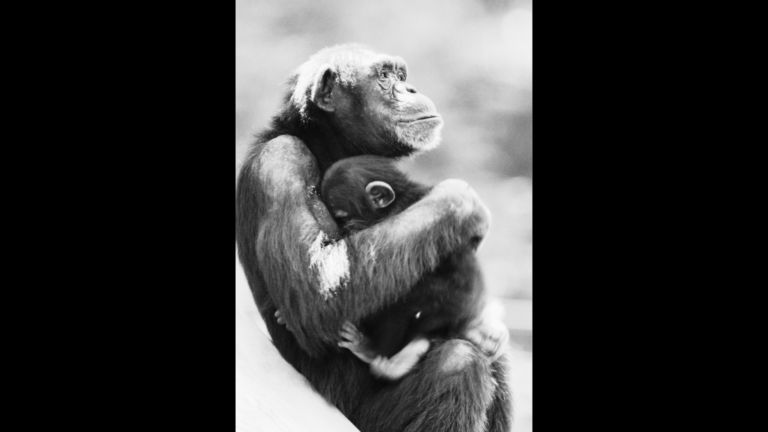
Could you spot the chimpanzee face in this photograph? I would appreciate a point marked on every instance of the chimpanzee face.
(367, 99)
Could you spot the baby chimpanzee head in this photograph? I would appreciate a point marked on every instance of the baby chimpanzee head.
(363, 190)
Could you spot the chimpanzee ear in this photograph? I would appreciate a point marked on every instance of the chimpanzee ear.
(322, 88)
(381, 194)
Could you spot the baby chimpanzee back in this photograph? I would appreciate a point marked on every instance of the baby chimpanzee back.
(362, 191)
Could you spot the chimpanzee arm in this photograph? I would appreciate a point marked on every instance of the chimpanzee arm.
(319, 284)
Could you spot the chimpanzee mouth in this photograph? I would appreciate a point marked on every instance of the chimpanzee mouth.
(424, 118)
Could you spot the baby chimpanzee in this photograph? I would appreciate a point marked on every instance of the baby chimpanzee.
(362, 191)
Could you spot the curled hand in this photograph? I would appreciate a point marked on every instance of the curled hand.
(356, 342)
(281, 320)
(490, 335)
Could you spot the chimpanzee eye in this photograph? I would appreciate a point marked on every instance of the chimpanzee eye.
(384, 74)
(401, 76)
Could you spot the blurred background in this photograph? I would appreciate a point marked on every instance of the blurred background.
(474, 59)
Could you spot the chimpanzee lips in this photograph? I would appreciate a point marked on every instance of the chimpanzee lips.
(425, 117)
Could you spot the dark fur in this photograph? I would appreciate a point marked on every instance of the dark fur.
(446, 300)
(278, 215)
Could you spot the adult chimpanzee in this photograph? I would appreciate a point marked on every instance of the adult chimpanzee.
(348, 101)
(362, 191)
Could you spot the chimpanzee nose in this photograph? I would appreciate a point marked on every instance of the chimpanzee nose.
(405, 87)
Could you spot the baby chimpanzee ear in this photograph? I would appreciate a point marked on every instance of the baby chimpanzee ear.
(381, 194)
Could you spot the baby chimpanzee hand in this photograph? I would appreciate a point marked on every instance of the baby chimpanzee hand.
(356, 342)
(491, 336)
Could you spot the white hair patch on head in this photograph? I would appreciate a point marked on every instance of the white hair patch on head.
(342, 60)
(304, 80)
(331, 263)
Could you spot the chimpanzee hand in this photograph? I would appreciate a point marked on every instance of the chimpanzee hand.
(401, 363)
(491, 336)
(356, 342)
(464, 202)
(281, 320)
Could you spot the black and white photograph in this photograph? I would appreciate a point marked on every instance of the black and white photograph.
(384, 216)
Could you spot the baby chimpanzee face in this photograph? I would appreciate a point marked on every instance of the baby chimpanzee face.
(363, 190)
(363, 206)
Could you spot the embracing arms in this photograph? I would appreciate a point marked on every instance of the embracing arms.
(287, 241)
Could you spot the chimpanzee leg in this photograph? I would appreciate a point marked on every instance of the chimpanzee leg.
(500, 416)
(450, 391)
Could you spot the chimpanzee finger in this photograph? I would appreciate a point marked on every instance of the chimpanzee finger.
(348, 345)
(350, 337)
(500, 350)
(349, 327)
